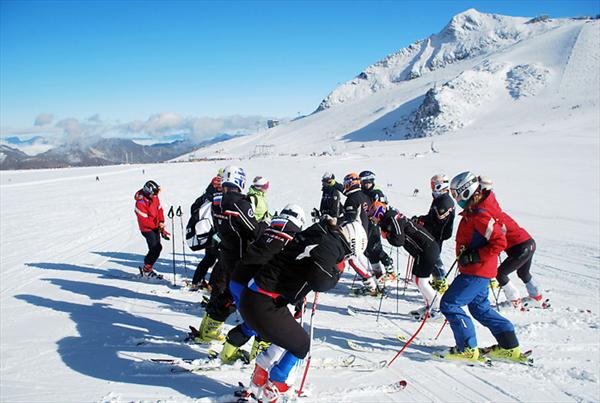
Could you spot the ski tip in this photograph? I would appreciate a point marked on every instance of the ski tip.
(402, 384)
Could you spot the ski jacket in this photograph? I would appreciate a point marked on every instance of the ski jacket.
(331, 203)
(480, 231)
(375, 194)
(313, 260)
(439, 221)
(148, 211)
(273, 239)
(400, 231)
(259, 203)
(357, 203)
(515, 234)
(233, 218)
(208, 195)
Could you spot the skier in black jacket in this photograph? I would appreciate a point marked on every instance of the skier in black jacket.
(211, 252)
(439, 222)
(233, 218)
(355, 208)
(400, 231)
(375, 252)
(282, 230)
(313, 261)
(331, 203)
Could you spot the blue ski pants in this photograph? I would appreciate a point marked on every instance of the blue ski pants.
(472, 291)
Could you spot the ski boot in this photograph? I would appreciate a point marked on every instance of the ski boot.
(209, 331)
(258, 381)
(496, 352)
(275, 391)
(439, 284)
(148, 272)
(419, 314)
(258, 346)
(468, 354)
(231, 354)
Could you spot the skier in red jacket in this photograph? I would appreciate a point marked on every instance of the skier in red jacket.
(479, 241)
(151, 221)
(520, 248)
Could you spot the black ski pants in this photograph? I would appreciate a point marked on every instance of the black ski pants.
(518, 258)
(211, 253)
(374, 251)
(273, 321)
(425, 261)
(154, 246)
(221, 304)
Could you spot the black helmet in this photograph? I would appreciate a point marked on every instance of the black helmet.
(150, 189)
(367, 177)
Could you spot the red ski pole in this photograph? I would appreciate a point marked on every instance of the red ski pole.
(427, 313)
(441, 328)
(312, 315)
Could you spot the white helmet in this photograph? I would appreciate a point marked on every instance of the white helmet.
(260, 183)
(439, 184)
(463, 187)
(486, 182)
(356, 236)
(234, 176)
(327, 176)
(294, 213)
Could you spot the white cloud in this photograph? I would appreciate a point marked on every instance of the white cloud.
(43, 119)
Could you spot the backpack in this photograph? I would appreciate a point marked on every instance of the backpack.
(199, 229)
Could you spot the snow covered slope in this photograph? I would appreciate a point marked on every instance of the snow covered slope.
(502, 68)
(76, 325)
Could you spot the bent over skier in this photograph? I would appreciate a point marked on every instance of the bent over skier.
(313, 261)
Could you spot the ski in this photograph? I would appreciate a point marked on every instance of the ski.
(158, 278)
(355, 311)
(481, 361)
(524, 359)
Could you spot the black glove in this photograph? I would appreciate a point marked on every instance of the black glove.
(469, 257)
(315, 213)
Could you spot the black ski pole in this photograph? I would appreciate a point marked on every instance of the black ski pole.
(179, 214)
(397, 279)
(171, 214)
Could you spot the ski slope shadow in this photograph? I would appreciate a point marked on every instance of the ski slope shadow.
(99, 292)
(135, 260)
(102, 349)
(389, 126)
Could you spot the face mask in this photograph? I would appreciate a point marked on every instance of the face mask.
(463, 204)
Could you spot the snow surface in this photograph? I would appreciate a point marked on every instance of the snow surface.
(76, 325)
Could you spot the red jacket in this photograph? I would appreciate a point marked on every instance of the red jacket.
(479, 230)
(514, 234)
(149, 212)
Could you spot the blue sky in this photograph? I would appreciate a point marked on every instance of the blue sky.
(129, 60)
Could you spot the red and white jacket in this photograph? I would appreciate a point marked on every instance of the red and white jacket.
(515, 235)
(148, 211)
(479, 230)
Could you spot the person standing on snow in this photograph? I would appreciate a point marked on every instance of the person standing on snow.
(400, 231)
(375, 252)
(211, 252)
(520, 248)
(236, 226)
(151, 221)
(280, 232)
(256, 194)
(439, 222)
(313, 261)
(355, 208)
(479, 242)
(331, 203)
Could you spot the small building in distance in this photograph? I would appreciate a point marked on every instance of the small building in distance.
(271, 123)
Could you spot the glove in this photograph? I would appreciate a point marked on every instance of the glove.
(164, 233)
(315, 213)
(469, 257)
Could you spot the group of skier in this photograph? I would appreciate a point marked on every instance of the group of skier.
(265, 264)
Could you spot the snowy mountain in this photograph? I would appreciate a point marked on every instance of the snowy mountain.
(478, 66)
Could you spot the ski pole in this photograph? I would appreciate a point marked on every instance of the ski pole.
(171, 214)
(179, 214)
(441, 328)
(408, 271)
(380, 301)
(427, 314)
(397, 280)
(312, 315)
